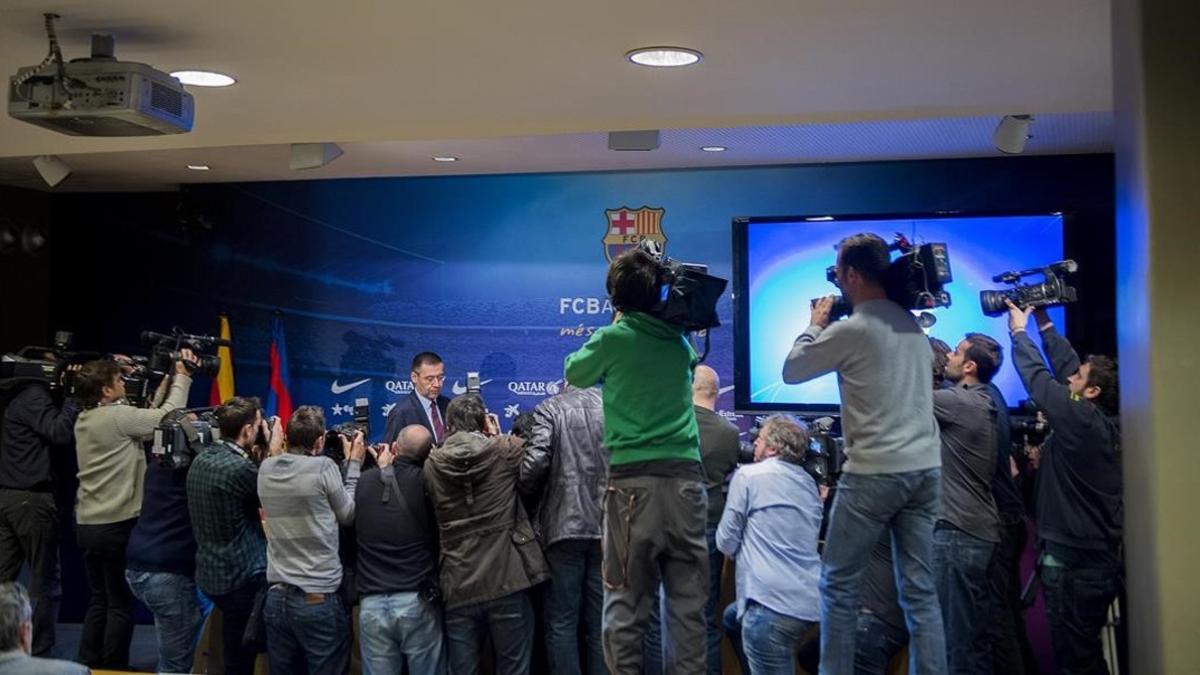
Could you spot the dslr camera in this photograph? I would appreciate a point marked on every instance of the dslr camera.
(916, 278)
(1053, 290)
(337, 438)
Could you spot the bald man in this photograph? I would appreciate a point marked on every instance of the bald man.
(718, 454)
(397, 555)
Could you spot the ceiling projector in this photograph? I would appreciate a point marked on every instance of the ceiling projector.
(99, 96)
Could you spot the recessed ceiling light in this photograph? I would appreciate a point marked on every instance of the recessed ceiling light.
(198, 167)
(203, 78)
(445, 158)
(714, 148)
(819, 219)
(664, 57)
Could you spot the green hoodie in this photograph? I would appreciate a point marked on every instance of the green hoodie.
(646, 367)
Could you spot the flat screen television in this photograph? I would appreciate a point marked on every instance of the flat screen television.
(780, 265)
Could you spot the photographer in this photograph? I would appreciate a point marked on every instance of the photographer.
(304, 499)
(231, 551)
(656, 504)
(1078, 488)
(891, 481)
(112, 468)
(33, 425)
(490, 557)
(769, 527)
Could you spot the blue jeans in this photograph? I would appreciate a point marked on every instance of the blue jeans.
(400, 628)
(574, 595)
(509, 620)
(866, 505)
(771, 640)
(716, 561)
(1077, 601)
(306, 632)
(179, 609)
(960, 566)
(878, 642)
(733, 630)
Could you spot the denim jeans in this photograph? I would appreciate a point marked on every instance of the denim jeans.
(178, 612)
(865, 506)
(236, 607)
(1002, 647)
(29, 534)
(877, 644)
(1077, 601)
(306, 632)
(397, 629)
(733, 630)
(509, 620)
(654, 530)
(960, 566)
(108, 624)
(574, 597)
(771, 640)
(716, 560)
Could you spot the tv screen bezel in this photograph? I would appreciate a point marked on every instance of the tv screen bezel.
(741, 309)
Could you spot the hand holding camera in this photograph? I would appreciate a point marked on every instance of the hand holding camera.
(383, 455)
(358, 448)
(821, 311)
(187, 362)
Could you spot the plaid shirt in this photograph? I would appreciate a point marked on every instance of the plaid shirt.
(223, 502)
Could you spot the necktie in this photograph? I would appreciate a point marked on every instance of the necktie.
(436, 418)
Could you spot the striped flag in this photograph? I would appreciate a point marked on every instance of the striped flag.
(279, 400)
(222, 386)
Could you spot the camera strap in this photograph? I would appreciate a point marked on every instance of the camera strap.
(395, 486)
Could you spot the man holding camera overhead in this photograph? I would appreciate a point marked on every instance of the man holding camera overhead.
(892, 476)
(112, 467)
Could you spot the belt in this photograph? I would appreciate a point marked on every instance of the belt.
(309, 598)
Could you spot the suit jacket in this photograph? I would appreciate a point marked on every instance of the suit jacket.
(409, 410)
(17, 662)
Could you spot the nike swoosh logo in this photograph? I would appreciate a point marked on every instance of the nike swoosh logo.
(343, 388)
(459, 390)
(725, 389)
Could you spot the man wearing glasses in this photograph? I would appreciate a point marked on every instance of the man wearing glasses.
(425, 405)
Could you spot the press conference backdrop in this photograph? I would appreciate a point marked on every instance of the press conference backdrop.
(503, 275)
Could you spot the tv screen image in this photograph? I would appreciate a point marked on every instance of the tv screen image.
(781, 267)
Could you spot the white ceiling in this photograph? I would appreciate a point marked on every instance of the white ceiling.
(529, 85)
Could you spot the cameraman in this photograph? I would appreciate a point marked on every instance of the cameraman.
(33, 424)
(892, 477)
(1078, 488)
(112, 468)
(656, 505)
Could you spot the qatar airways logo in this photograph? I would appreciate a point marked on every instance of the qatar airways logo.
(535, 387)
(399, 386)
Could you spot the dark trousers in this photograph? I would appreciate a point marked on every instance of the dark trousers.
(1002, 647)
(960, 565)
(306, 632)
(1077, 601)
(29, 534)
(108, 624)
(654, 529)
(574, 604)
(716, 561)
(236, 607)
(876, 644)
(509, 620)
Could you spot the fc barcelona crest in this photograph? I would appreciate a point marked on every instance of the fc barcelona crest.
(627, 227)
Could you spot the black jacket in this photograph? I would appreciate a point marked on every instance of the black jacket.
(32, 425)
(397, 542)
(1079, 502)
(566, 465)
(409, 410)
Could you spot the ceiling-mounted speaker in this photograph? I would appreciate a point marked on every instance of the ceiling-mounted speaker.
(641, 141)
(52, 169)
(313, 155)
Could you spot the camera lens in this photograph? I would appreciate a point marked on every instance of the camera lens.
(993, 303)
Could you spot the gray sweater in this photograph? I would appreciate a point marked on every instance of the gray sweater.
(112, 463)
(885, 375)
(304, 500)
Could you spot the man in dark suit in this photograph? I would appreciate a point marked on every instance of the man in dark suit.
(425, 405)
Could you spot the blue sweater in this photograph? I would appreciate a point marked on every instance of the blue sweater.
(162, 540)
